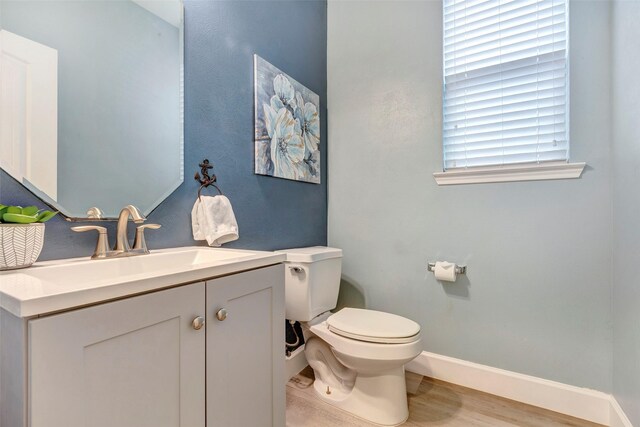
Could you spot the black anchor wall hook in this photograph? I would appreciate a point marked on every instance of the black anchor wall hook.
(206, 180)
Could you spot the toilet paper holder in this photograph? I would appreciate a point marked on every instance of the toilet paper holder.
(460, 269)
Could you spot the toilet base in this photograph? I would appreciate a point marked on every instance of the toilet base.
(379, 398)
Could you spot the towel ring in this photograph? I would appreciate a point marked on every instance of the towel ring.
(207, 185)
(206, 180)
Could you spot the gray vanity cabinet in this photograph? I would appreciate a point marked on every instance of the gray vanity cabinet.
(245, 335)
(169, 358)
(134, 362)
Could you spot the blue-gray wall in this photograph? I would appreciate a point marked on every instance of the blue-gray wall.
(537, 296)
(626, 206)
(220, 40)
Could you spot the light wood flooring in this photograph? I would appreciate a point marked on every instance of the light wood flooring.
(436, 403)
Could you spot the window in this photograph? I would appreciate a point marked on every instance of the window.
(506, 94)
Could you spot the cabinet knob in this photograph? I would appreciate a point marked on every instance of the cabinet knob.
(221, 314)
(198, 323)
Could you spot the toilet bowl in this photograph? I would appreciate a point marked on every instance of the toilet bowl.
(363, 375)
(357, 355)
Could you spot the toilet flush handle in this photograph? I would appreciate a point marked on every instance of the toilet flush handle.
(296, 269)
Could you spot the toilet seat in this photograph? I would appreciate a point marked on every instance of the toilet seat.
(367, 349)
(373, 326)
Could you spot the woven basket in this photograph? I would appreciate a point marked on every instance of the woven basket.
(20, 244)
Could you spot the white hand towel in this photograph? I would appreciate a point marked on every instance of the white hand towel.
(195, 225)
(212, 219)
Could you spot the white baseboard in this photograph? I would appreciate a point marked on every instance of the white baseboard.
(578, 402)
(618, 418)
(295, 363)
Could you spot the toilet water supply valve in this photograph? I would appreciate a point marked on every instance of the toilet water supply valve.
(291, 346)
(293, 323)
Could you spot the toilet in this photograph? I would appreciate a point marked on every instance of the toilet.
(357, 355)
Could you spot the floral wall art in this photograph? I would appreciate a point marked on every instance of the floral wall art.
(287, 126)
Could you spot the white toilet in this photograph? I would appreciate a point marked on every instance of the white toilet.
(357, 355)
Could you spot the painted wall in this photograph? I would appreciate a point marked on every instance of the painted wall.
(220, 40)
(537, 295)
(626, 205)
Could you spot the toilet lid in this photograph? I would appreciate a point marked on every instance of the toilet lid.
(373, 326)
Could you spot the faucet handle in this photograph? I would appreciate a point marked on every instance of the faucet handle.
(140, 242)
(102, 245)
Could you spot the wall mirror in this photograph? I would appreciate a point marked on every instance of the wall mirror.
(91, 102)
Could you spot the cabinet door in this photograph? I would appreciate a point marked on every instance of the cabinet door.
(245, 351)
(136, 362)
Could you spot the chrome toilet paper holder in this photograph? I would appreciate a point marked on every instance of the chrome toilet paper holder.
(460, 269)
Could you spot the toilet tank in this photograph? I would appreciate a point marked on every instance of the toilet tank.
(312, 281)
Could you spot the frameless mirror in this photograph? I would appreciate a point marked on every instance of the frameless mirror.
(91, 102)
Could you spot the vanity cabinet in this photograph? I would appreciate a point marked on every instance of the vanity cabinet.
(246, 337)
(167, 358)
(135, 362)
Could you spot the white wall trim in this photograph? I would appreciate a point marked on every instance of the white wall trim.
(578, 402)
(566, 399)
(525, 172)
(617, 417)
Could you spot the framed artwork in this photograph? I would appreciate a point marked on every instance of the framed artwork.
(287, 126)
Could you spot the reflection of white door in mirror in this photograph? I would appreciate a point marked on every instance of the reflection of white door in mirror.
(29, 112)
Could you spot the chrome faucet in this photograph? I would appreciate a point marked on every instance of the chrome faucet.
(122, 241)
(122, 247)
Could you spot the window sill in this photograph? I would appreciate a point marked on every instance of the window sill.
(528, 172)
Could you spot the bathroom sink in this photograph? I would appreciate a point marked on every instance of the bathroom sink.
(117, 268)
(62, 284)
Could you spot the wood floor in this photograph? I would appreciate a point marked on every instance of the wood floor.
(436, 403)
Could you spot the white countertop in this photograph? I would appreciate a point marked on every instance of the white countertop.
(64, 284)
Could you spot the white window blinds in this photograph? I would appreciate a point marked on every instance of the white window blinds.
(505, 82)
